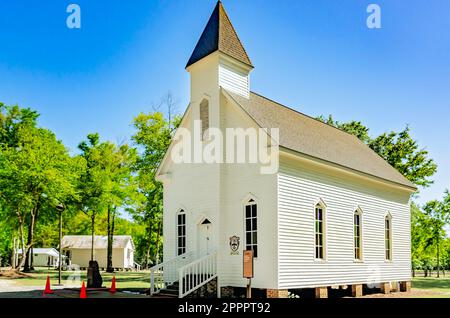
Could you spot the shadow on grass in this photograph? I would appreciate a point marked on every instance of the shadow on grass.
(432, 283)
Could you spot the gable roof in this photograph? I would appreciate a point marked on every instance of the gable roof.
(100, 241)
(306, 135)
(219, 35)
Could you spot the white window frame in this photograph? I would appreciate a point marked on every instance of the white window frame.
(358, 212)
(251, 202)
(183, 235)
(320, 205)
(388, 237)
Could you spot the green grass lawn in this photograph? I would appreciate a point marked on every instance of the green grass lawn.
(123, 279)
(441, 285)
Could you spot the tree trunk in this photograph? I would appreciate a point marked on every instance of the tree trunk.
(413, 272)
(28, 266)
(22, 242)
(109, 264)
(113, 227)
(31, 258)
(438, 261)
(23, 260)
(93, 234)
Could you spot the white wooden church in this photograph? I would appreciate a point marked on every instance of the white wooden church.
(333, 215)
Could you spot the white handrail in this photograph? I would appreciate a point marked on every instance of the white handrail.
(196, 274)
(165, 274)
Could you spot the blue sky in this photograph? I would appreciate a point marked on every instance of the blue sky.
(316, 56)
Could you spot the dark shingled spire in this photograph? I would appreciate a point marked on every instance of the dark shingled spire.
(219, 35)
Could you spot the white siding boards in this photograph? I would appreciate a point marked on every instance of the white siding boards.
(234, 80)
(300, 189)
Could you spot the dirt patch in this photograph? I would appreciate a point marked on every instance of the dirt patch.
(12, 274)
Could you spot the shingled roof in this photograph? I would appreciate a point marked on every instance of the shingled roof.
(100, 242)
(219, 35)
(314, 138)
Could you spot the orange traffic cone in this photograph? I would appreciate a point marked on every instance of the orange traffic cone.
(83, 291)
(113, 285)
(47, 289)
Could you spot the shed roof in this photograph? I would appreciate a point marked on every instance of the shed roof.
(314, 138)
(100, 241)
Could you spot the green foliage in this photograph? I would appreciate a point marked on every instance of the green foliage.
(399, 149)
(355, 128)
(153, 136)
(6, 241)
(12, 119)
(107, 180)
(36, 171)
(403, 153)
(103, 181)
(429, 243)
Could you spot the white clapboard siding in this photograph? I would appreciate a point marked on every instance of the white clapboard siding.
(298, 192)
(194, 189)
(233, 80)
(240, 182)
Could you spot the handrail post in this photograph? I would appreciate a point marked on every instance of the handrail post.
(180, 283)
(152, 282)
(216, 262)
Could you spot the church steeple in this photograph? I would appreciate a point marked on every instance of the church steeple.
(219, 35)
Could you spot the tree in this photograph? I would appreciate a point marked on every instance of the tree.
(419, 234)
(107, 184)
(355, 128)
(13, 119)
(438, 216)
(36, 172)
(153, 137)
(120, 190)
(92, 181)
(398, 149)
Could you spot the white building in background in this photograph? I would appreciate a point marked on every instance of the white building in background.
(334, 213)
(42, 257)
(78, 249)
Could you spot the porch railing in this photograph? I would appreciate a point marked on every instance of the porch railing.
(166, 273)
(196, 274)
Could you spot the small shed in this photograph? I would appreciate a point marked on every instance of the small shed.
(43, 257)
(78, 249)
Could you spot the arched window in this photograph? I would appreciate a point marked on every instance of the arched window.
(251, 227)
(388, 237)
(181, 232)
(319, 226)
(204, 118)
(357, 234)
